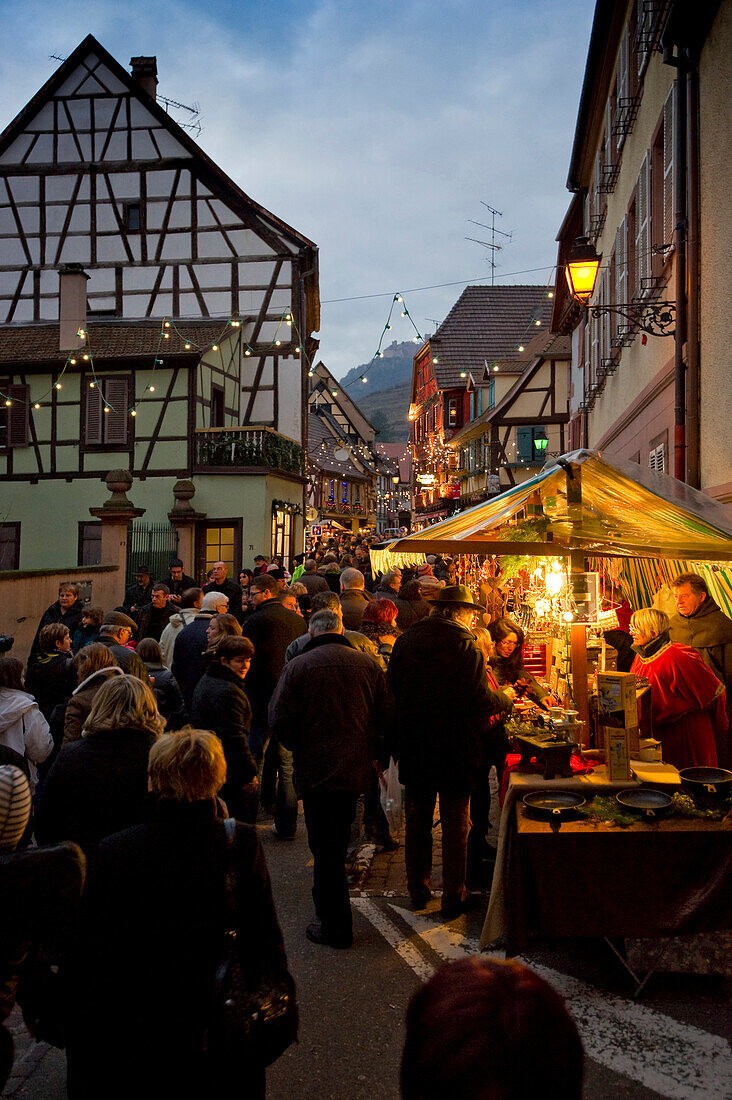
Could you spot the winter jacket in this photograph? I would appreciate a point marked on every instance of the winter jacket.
(136, 597)
(443, 700)
(331, 707)
(24, 729)
(507, 670)
(354, 637)
(152, 621)
(354, 602)
(79, 705)
(70, 618)
(709, 632)
(189, 663)
(168, 695)
(176, 622)
(177, 588)
(83, 635)
(228, 588)
(97, 786)
(151, 939)
(314, 583)
(50, 680)
(126, 658)
(271, 628)
(220, 704)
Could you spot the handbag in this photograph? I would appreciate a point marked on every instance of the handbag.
(391, 794)
(247, 1027)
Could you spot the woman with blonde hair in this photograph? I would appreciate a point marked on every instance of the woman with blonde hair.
(98, 784)
(221, 626)
(688, 702)
(153, 933)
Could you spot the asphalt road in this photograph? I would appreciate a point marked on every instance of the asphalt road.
(675, 1043)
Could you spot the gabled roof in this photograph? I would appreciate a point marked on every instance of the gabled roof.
(245, 207)
(323, 444)
(28, 346)
(342, 399)
(487, 323)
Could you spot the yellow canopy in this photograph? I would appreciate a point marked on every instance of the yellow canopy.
(592, 505)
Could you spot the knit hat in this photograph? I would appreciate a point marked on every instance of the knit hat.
(424, 570)
(15, 806)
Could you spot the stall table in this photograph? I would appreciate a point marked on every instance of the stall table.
(656, 879)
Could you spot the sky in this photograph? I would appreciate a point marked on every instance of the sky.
(376, 129)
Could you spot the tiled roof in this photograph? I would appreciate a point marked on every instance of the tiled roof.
(488, 323)
(26, 345)
(321, 447)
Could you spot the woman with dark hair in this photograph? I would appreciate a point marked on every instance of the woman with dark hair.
(165, 687)
(49, 675)
(152, 935)
(379, 624)
(88, 628)
(484, 1028)
(22, 726)
(220, 704)
(508, 662)
(98, 784)
(93, 665)
(412, 593)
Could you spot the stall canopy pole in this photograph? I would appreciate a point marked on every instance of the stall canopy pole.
(578, 632)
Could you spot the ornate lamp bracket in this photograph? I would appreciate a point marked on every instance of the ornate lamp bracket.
(655, 318)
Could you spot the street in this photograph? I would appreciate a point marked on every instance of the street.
(675, 1043)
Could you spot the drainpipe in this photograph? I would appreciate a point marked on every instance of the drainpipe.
(693, 441)
(680, 232)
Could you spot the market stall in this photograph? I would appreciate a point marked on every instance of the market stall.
(579, 537)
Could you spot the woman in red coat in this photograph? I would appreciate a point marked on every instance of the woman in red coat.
(688, 702)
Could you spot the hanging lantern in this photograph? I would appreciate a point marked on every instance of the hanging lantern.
(581, 269)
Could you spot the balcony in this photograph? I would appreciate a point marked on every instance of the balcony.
(238, 449)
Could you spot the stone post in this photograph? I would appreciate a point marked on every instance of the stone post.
(116, 515)
(184, 518)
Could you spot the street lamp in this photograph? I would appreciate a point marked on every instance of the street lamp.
(654, 317)
(541, 441)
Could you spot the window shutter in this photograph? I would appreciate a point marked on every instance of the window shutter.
(621, 259)
(524, 444)
(18, 415)
(642, 236)
(115, 421)
(93, 428)
(609, 139)
(668, 165)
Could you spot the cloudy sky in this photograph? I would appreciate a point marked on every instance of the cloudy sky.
(376, 129)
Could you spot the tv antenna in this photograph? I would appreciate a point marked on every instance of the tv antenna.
(195, 124)
(492, 244)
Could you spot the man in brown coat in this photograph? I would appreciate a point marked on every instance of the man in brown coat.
(701, 624)
(354, 598)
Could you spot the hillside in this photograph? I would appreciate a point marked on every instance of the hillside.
(384, 397)
(387, 411)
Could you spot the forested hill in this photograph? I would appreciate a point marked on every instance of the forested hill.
(395, 369)
(384, 396)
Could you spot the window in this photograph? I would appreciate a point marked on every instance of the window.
(526, 449)
(90, 543)
(107, 411)
(491, 393)
(662, 196)
(454, 418)
(14, 417)
(219, 542)
(217, 407)
(133, 217)
(9, 546)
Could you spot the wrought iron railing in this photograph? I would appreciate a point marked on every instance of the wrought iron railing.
(239, 448)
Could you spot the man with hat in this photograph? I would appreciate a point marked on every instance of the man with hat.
(443, 702)
(116, 631)
(138, 594)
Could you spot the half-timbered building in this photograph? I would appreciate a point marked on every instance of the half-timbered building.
(153, 318)
(511, 439)
(343, 465)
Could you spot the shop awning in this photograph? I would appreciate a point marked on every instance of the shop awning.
(604, 509)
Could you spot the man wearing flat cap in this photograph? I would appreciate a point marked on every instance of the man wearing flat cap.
(443, 702)
(115, 632)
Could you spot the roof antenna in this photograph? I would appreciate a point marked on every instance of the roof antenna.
(492, 245)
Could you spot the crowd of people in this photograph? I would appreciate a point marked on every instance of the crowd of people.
(135, 732)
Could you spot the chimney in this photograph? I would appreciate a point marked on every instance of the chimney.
(145, 73)
(71, 306)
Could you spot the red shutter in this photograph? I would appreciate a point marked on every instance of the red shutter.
(93, 422)
(18, 415)
(115, 421)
